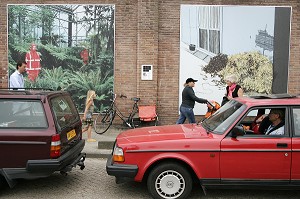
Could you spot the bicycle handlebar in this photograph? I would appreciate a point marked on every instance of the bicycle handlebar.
(208, 102)
(135, 99)
(123, 96)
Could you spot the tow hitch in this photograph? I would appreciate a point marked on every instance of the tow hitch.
(78, 161)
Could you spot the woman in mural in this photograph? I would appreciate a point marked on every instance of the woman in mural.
(88, 114)
(33, 60)
(233, 89)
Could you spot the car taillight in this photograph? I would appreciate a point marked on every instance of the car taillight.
(55, 146)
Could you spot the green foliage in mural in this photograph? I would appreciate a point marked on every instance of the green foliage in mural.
(216, 64)
(253, 70)
(61, 61)
(50, 78)
(81, 82)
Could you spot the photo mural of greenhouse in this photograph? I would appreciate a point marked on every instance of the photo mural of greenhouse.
(66, 47)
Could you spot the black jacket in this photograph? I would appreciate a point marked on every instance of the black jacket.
(189, 98)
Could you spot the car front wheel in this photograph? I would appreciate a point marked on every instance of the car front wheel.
(169, 181)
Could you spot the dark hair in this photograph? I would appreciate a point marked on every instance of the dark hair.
(19, 64)
(278, 111)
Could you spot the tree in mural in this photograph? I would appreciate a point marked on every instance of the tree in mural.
(61, 58)
(253, 70)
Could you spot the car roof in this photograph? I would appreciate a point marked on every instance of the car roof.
(28, 92)
(267, 100)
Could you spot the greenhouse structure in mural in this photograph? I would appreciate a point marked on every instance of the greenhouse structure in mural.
(69, 47)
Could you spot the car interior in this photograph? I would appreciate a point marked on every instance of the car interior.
(256, 121)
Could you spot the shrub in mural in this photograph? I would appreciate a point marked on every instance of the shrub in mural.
(74, 48)
(253, 69)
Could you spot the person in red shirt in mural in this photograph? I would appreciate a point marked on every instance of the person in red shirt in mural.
(33, 60)
(84, 54)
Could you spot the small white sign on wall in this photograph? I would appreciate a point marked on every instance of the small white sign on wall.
(146, 72)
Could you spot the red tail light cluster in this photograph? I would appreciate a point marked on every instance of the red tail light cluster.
(55, 146)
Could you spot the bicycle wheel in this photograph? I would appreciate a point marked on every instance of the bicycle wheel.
(103, 121)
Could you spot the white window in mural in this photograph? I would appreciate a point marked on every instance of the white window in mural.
(209, 28)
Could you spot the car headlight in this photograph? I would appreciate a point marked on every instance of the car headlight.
(118, 154)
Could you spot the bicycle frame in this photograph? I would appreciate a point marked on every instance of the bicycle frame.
(105, 119)
(129, 119)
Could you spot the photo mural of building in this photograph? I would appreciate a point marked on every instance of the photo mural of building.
(216, 41)
(69, 47)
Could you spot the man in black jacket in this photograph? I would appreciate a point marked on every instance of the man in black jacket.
(188, 102)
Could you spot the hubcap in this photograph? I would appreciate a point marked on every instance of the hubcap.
(170, 184)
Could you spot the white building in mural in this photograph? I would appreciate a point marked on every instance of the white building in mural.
(209, 30)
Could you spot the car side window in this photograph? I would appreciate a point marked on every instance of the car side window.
(296, 121)
(265, 121)
(251, 123)
(64, 111)
(22, 114)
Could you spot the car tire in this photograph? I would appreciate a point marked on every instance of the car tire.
(169, 180)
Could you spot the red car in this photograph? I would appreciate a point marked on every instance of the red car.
(233, 148)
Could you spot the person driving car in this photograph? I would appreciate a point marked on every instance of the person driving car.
(276, 117)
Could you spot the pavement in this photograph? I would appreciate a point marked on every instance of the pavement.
(102, 148)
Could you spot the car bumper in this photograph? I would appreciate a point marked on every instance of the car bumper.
(45, 167)
(122, 172)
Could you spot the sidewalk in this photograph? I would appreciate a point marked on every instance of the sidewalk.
(102, 148)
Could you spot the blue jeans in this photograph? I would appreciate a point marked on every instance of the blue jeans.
(188, 113)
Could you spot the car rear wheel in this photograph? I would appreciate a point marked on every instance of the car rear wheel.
(169, 181)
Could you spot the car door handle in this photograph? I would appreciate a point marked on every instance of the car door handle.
(282, 145)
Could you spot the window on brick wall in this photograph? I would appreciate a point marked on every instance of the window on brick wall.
(209, 28)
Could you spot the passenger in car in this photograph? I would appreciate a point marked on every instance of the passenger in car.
(263, 123)
(276, 116)
(258, 119)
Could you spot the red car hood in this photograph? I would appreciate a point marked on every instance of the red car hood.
(163, 133)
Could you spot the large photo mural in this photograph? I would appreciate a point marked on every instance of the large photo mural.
(251, 42)
(66, 47)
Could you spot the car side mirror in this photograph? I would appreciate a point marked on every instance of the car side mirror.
(237, 131)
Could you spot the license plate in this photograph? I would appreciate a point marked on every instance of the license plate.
(71, 134)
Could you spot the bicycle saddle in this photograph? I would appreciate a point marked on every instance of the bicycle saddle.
(136, 99)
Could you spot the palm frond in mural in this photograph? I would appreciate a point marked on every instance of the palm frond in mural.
(51, 78)
(81, 82)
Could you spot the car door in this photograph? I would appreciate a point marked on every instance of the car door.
(256, 158)
(295, 173)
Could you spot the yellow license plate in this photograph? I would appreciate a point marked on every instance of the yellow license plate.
(71, 134)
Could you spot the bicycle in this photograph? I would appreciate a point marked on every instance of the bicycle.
(105, 119)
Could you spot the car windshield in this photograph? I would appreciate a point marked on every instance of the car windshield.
(64, 111)
(220, 121)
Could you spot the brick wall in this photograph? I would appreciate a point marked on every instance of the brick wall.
(147, 32)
